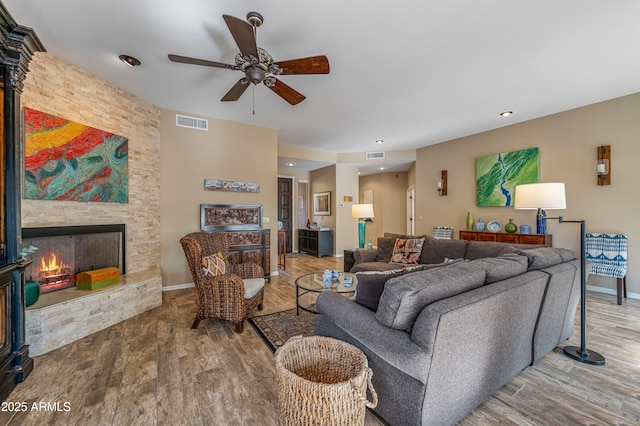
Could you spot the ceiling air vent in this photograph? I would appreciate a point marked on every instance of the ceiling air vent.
(375, 155)
(192, 122)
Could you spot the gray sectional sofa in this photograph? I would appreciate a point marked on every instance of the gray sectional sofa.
(442, 338)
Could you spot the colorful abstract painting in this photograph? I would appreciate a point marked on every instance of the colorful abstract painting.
(497, 176)
(65, 160)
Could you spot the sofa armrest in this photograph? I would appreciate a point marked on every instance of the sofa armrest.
(364, 255)
(395, 347)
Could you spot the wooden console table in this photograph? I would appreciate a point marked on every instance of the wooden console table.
(504, 237)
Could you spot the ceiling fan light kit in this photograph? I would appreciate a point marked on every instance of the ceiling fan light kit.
(257, 64)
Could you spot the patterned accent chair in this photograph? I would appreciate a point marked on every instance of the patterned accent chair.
(607, 254)
(230, 296)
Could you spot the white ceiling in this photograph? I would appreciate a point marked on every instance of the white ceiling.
(410, 72)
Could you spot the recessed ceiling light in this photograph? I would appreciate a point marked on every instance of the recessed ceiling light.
(290, 164)
(380, 168)
(506, 113)
(129, 60)
(379, 141)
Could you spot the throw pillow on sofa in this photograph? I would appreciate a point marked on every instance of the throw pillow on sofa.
(436, 251)
(502, 267)
(370, 284)
(385, 249)
(407, 250)
(404, 297)
(482, 249)
(543, 257)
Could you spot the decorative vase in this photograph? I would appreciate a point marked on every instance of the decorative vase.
(511, 227)
(31, 292)
(469, 221)
(479, 225)
(525, 229)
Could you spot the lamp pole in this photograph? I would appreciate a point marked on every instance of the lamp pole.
(581, 353)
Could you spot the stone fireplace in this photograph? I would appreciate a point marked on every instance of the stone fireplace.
(64, 314)
(64, 251)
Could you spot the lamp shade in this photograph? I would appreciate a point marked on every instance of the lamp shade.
(546, 196)
(362, 210)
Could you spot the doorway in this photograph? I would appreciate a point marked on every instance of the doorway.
(285, 208)
(411, 210)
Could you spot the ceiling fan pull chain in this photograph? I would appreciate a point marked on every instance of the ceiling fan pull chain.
(254, 99)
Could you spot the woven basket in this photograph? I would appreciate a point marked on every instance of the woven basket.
(322, 381)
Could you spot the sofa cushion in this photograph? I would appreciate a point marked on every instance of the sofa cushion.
(385, 249)
(370, 284)
(544, 257)
(407, 250)
(404, 297)
(436, 251)
(480, 249)
(502, 267)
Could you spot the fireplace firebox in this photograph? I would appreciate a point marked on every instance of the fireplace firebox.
(64, 251)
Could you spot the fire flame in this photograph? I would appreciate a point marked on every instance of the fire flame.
(52, 267)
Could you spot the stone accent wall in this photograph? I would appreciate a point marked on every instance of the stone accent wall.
(62, 89)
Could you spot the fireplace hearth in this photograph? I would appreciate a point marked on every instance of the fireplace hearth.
(64, 251)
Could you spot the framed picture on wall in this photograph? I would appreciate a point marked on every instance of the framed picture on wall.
(322, 203)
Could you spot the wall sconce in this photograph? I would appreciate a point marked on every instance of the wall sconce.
(442, 183)
(603, 166)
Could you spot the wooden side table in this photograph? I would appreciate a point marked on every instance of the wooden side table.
(349, 260)
(282, 249)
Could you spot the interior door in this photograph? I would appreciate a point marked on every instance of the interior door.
(285, 208)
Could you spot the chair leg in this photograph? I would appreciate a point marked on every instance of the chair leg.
(624, 284)
(619, 290)
(195, 323)
(261, 305)
(239, 327)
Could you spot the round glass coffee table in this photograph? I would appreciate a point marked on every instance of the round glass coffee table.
(312, 283)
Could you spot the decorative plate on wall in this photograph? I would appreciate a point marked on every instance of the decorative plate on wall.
(494, 226)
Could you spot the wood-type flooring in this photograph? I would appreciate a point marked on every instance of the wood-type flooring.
(154, 370)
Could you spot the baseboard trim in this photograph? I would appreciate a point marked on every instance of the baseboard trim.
(612, 292)
(191, 285)
(177, 287)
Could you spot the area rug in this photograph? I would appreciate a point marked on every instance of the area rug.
(275, 329)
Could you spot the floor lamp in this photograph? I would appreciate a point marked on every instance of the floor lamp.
(551, 196)
(361, 212)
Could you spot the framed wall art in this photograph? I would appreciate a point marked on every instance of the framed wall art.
(322, 203)
(497, 176)
(230, 186)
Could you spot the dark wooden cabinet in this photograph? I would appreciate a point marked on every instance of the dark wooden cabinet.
(251, 246)
(17, 45)
(349, 260)
(504, 237)
(315, 242)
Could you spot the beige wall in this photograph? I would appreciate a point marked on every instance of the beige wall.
(389, 203)
(567, 143)
(60, 88)
(346, 234)
(228, 150)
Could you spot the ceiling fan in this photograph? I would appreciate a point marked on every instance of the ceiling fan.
(257, 64)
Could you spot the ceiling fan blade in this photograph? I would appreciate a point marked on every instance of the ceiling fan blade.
(236, 91)
(286, 92)
(194, 61)
(243, 34)
(312, 65)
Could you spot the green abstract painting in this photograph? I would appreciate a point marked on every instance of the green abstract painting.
(498, 175)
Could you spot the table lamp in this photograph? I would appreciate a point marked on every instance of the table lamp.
(552, 196)
(360, 212)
